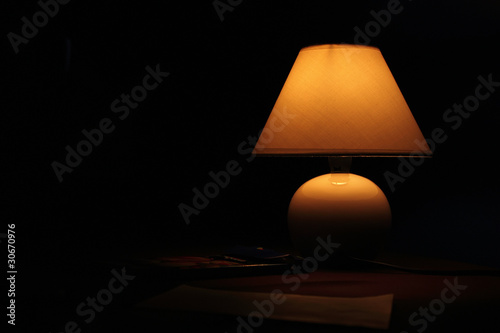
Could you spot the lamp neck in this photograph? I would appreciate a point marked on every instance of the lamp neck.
(340, 164)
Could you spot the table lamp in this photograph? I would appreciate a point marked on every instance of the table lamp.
(340, 101)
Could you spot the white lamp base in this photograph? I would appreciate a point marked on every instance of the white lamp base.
(350, 208)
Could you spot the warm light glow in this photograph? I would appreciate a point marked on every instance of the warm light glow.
(335, 187)
(341, 100)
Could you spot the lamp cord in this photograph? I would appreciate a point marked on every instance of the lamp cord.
(492, 272)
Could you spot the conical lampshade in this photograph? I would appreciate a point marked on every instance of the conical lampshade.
(341, 100)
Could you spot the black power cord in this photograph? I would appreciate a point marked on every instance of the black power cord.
(478, 272)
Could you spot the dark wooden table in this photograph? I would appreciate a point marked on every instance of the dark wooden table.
(458, 302)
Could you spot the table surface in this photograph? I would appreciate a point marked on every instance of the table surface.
(473, 307)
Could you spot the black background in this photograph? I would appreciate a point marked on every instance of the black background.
(224, 79)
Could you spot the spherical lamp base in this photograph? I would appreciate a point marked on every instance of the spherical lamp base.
(347, 208)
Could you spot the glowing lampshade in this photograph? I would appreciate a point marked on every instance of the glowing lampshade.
(341, 100)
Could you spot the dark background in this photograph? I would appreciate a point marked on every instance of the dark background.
(224, 79)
